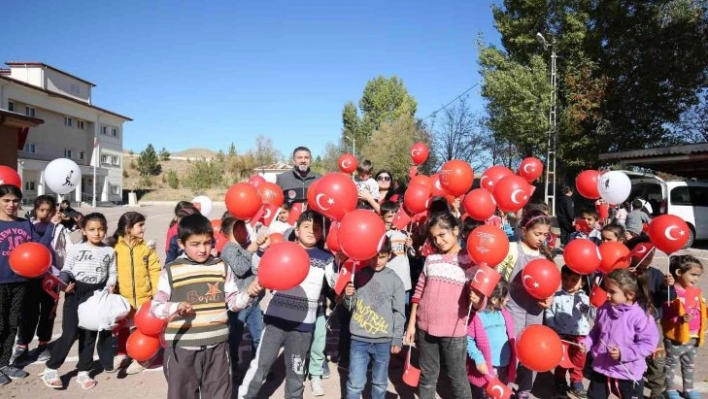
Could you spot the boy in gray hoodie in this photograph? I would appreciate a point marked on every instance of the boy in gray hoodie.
(378, 315)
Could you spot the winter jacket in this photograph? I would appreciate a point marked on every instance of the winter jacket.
(632, 331)
(138, 271)
(565, 211)
(570, 314)
(294, 185)
(675, 328)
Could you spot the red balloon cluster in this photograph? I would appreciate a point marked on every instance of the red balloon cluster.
(456, 177)
(541, 278)
(419, 153)
(669, 233)
(144, 342)
(488, 244)
(582, 256)
(10, 176)
(479, 204)
(256, 180)
(492, 175)
(30, 259)
(347, 163)
(283, 266)
(146, 322)
(243, 201)
(539, 339)
(334, 195)
(586, 184)
(530, 169)
(360, 234)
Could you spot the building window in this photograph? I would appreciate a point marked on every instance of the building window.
(29, 185)
(67, 121)
(68, 153)
(11, 106)
(104, 158)
(104, 130)
(114, 132)
(30, 148)
(81, 155)
(115, 160)
(80, 124)
(115, 190)
(31, 112)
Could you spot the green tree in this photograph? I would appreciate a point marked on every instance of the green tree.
(204, 174)
(164, 155)
(265, 153)
(148, 162)
(328, 161)
(172, 179)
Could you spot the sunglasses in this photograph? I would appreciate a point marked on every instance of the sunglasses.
(384, 178)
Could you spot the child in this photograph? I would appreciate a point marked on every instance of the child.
(490, 342)
(590, 228)
(612, 233)
(400, 243)
(291, 315)
(621, 214)
(280, 224)
(366, 186)
(684, 325)
(439, 309)
(173, 250)
(197, 360)
(138, 269)
(14, 231)
(376, 327)
(238, 255)
(525, 309)
(634, 223)
(39, 308)
(624, 334)
(569, 316)
(89, 266)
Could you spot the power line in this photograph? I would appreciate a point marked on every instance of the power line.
(432, 114)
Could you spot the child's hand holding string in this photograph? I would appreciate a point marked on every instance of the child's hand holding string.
(668, 280)
(254, 289)
(614, 352)
(483, 369)
(185, 309)
(545, 303)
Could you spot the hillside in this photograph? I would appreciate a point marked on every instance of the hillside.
(160, 190)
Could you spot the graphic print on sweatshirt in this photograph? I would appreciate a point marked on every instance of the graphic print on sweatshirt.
(14, 237)
(366, 315)
(84, 256)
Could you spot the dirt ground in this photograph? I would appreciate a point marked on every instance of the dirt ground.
(151, 384)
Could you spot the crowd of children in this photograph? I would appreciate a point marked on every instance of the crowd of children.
(415, 293)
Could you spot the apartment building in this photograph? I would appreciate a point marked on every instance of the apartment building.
(73, 128)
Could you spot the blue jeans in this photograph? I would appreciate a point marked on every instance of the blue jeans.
(359, 356)
(253, 318)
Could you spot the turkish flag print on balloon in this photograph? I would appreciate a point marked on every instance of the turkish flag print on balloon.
(530, 169)
(669, 233)
(541, 278)
(512, 193)
(335, 195)
(488, 244)
(347, 163)
(419, 153)
(492, 175)
(497, 390)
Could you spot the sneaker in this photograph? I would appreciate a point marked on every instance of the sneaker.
(19, 354)
(120, 362)
(692, 394)
(317, 387)
(43, 353)
(4, 380)
(136, 367)
(673, 394)
(14, 373)
(325, 370)
(578, 390)
(50, 378)
(85, 380)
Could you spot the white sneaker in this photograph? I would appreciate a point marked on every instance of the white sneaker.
(137, 367)
(120, 362)
(317, 387)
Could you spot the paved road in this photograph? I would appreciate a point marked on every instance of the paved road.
(151, 384)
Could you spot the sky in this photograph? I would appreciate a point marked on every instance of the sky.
(205, 74)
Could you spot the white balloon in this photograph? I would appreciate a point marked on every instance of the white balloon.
(62, 175)
(205, 204)
(614, 187)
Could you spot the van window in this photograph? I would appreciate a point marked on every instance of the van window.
(690, 196)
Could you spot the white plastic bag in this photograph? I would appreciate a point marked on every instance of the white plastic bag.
(102, 311)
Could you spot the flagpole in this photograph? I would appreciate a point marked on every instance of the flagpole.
(95, 161)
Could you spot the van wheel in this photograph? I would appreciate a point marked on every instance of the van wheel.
(691, 237)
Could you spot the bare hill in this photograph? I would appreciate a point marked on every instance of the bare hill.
(195, 153)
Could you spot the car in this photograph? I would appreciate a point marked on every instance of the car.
(687, 199)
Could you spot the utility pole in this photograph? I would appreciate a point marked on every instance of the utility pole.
(551, 189)
(353, 140)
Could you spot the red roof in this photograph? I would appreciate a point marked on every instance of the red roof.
(34, 63)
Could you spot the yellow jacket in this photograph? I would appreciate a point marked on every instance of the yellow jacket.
(138, 271)
(675, 329)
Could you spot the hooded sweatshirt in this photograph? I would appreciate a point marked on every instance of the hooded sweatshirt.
(377, 306)
(629, 328)
(12, 234)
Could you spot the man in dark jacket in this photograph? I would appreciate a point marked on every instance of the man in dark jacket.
(296, 181)
(565, 212)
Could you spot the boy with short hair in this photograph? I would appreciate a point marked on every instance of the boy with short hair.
(291, 315)
(191, 293)
(367, 187)
(400, 243)
(634, 224)
(377, 306)
(590, 228)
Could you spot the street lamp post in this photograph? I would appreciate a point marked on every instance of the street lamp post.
(353, 140)
(550, 190)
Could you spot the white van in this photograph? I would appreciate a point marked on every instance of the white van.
(686, 199)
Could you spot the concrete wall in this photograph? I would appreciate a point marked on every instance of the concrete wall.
(66, 85)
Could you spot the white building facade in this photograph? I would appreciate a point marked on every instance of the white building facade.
(73, 128)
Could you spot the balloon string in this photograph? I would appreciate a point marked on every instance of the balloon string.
(469, 311)
(572, 343)
(629, 373)
(668, 271)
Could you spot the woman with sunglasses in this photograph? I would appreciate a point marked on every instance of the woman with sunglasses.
(386, 186)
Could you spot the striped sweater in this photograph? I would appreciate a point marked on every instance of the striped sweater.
(210, 288)
(442, 295)
(90, 264)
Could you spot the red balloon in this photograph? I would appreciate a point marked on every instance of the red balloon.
(216, 226)
(488, 244)
(221, 242)
(283, 266)
(586, 184)
(539, 339)
(642, 254)
(360, 234)
(417, 198)
(276, 238)
(492, 175)
(437, 187)
(669, 233)
(456, 177)
(10, 176)
(30, 259)
(334, 196)
(242, 201)
(271, 194)
(479, 204)
(256, 180)
(347, 163)
(512, 193)
(141, 347)
(421, 179)
(419, 153)
(146, 322)
(530, 169)
(582, 256)
(614, 255)
(541, 278)
(333, 238)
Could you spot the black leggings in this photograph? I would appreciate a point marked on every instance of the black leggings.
(600, 386)
(38, 313)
